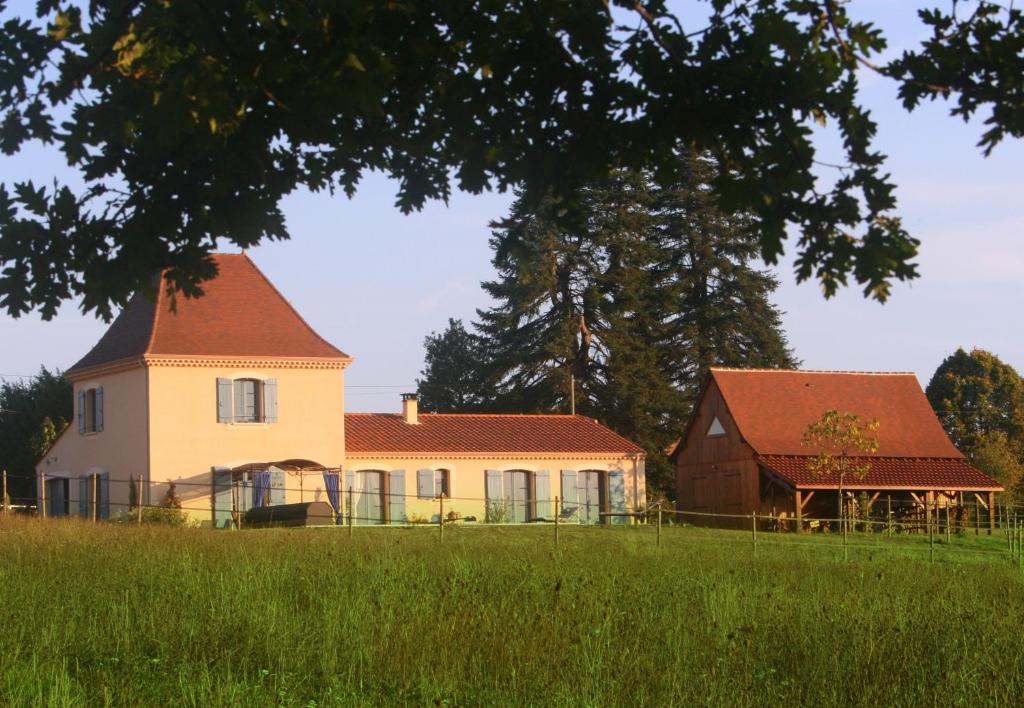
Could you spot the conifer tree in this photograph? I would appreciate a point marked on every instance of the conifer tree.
(625, 307)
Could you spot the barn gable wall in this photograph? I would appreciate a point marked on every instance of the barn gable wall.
(716, 474)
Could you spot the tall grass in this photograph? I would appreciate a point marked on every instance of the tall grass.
(105, 615)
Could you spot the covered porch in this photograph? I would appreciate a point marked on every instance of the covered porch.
(237, 490)
(906, 495)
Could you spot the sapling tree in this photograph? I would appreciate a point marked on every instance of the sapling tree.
(841, 439)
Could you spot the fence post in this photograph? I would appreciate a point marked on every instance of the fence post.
(846, 540)
(931, 542)
(753, 529)
(888, 514)
(659, 524)
(949, 532)
(94, 499)
(557, 512)
(977, 518)
(138, 503)
(42, 494)
(6, 510)
(1004, 521)
(440, 517)
(351, 510)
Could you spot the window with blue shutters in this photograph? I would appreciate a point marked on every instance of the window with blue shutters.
(617, 496)
(90, 410)
(431, 484)
(246, 400)
(396, 496)
(94, 495)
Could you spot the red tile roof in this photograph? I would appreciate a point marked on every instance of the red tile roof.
(485, 434)
(772, 409)
(240, 314)
(887, 473)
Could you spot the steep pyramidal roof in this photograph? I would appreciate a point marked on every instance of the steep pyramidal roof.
(772, 409)
(478, 433)
(241, 314)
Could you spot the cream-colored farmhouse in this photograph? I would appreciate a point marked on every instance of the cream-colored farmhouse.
(234, 400)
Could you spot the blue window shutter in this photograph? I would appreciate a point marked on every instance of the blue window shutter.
(99, 409)
(224, 393)
(617, 496)
(346, 496)
(277, 493)
(425, 484)
(542, 493)
(81, 411)
(83, 496)
(239, 397)
(396, 496)
(494, 490)
(570, 494)
(221, 497)
(104, 494)
(270, 400)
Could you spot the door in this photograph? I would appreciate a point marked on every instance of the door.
(590, 493)
(517, 495)
(369, 493)
(57, 493)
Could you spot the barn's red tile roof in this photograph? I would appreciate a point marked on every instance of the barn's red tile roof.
(772, 409)
(240, 314)
(887, 473)
(485, 434)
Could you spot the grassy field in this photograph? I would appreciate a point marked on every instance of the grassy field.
(95, 615)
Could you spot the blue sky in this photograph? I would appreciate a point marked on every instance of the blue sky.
(375, 282)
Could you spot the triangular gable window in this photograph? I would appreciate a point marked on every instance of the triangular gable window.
(716, 428)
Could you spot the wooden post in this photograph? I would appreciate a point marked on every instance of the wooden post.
(440, 517)
(138, 504)
(798, 499)
(351, 509)
(991, 517)
(659, 525)
(949, 532)
(928, 511)
(1004, 520)
(977, 517)
(753, 528)
(888, 514)
(846, 541)
(556, 520)
(4, 501)
(93, 480)
(42, 494)
(931, 543)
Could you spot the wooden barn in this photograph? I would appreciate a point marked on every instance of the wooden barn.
(741, 451)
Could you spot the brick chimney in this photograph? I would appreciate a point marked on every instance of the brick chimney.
(410, 408)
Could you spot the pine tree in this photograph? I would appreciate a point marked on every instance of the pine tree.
(625, 298)
(452, 374)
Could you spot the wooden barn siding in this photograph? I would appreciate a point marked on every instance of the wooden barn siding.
(719, 474)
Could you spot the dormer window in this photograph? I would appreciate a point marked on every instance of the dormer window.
(90, 410)
(247, 400)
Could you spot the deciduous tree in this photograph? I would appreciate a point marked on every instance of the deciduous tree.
(188, 122)
(976, 395)
(840, 440)
(32, 414)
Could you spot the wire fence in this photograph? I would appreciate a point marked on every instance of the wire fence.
(939, 530)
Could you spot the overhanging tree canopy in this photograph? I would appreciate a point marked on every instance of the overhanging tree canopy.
(189, 121)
